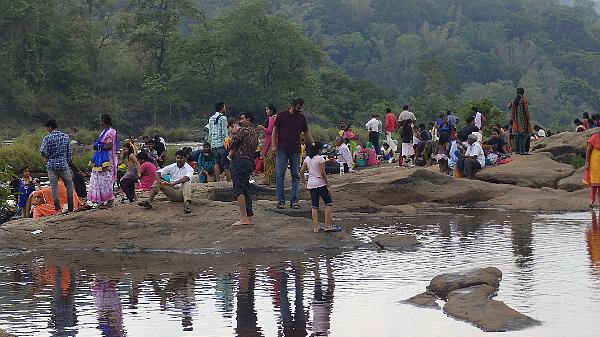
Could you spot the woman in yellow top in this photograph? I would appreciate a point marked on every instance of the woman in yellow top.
(592, 165)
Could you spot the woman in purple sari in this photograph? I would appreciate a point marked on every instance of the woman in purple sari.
(104, 165)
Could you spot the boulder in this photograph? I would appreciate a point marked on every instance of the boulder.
(537, 170)
(563, 143)
(474, 305)
(443, 284)
(424, 300)
(566, 158)
(396, 242)
(572, 183)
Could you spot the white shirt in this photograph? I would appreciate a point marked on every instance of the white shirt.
(372, 125)
(476, 150)
(344, 156)
(404, 115)
(478, 122)
(177, 173)
(541, 133)
(479, 136)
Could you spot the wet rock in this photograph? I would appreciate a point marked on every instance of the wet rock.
(573, 183)
(443, 284)
(474, 305)
(399, 209)
(566, 158)
(536, 170)
(5, 334)
(396, 242)
(424, 300)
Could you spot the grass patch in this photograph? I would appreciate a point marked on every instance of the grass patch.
(578, 162)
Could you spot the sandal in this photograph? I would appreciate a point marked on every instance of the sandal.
(333, 229)
(281, 205)
(316, 229)
(145, 204)
(295, 206)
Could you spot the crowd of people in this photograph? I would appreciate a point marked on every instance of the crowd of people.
(233, 152)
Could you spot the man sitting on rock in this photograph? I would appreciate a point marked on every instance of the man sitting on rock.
(473, 159)
(175, 181)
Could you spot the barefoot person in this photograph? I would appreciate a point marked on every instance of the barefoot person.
(104, 165)
(241, 155)
(178, 187)
(592, 165)
(56, 150)
(289, 125)
(317, 185)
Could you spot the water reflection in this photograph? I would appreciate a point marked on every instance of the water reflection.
(108, 308)
(593, 243)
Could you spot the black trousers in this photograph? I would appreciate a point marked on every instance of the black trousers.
(241, 168)
(468, 166)
(374, 139)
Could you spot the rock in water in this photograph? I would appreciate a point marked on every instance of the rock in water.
(424, 300)
(474, 305)
(397, 242)
(443, 284)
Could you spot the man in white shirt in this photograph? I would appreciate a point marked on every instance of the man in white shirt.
(479, 117)
(539, 132)
(473, 159)
(373, 129)
(406, 114)
(343, 155)
(178, 188)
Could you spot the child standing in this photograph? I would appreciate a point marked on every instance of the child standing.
(317, 185)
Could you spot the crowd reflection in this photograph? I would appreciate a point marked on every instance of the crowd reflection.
(301, 294)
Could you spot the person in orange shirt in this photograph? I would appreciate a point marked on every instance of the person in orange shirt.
(41, 202)
(391, 124)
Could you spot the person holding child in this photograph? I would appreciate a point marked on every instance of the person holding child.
(317, 185)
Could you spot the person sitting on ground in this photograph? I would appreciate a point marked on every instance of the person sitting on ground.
(331, 165)
(539, 132)
(454, 156)
(468, 129)
(495, 141)
(443, 149)
(151, 151)
(595, 122)
(580, 126)
(161, 150)
(41, 202)
(586, 120)
(388, 153)
(147, 172)
(360, 159)
(317, 185)
(473, 159)
(178, 187)
(206, 164)
(444, 127)
(24, 187)
(190, 158)
(241, 156)
(370, 154)
(344, 157)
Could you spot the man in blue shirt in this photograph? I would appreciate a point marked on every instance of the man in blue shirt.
(56, 150)
(217, 131)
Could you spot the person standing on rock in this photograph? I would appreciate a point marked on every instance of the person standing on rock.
(373, 129)
(289, 125)
(56, 150)
(521, 122)
(592, 167)
(217, 132)
(178, 186)
(104, 170)
(406, 114)
(391, 124)
(241, 156)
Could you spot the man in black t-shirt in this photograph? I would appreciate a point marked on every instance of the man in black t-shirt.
(469, 129)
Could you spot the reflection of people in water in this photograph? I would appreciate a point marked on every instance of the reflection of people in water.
(292, 325)
(247, 320)
(224, 290)
(180, 291)
(521, 229)
(322, 301)
(108, 305)
(593, 242)
(64, 315)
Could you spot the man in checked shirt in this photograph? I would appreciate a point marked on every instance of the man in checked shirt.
(56, 150)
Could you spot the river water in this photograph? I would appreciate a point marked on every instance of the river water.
(551, 266)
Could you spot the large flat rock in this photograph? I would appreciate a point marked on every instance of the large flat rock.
(573, 183)
(474, 305)
(443, 284)
(536, 170)
(396, 242)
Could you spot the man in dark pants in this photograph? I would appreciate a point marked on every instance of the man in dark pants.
(56, 150)
(373, 128)
(241, 155)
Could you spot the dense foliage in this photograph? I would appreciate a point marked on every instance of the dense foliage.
(166, 62)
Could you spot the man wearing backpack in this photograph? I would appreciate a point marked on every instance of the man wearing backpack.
(217, 131)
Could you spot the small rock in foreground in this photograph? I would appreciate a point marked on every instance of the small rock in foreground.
(443, 284)
(424, 300)
(397, 242)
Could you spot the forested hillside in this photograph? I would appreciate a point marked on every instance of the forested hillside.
(168, 61)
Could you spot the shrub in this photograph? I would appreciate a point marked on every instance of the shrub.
(171, 135)
(578, 162)
(85, 136)
(19, 154)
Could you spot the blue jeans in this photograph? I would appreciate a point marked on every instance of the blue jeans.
(281, 163)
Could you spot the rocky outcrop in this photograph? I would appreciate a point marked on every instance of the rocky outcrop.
(536, 170)
(424, 300)
(573, 183)
(396, 242)
(564, 143)
(5, 334)
(443, 284)
(474, 304)
(468, 296)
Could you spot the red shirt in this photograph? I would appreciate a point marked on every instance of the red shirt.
(391, 123)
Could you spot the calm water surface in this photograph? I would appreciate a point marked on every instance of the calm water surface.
(551, 266)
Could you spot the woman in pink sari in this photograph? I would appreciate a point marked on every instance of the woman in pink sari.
(371, 156)
(103, 179)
